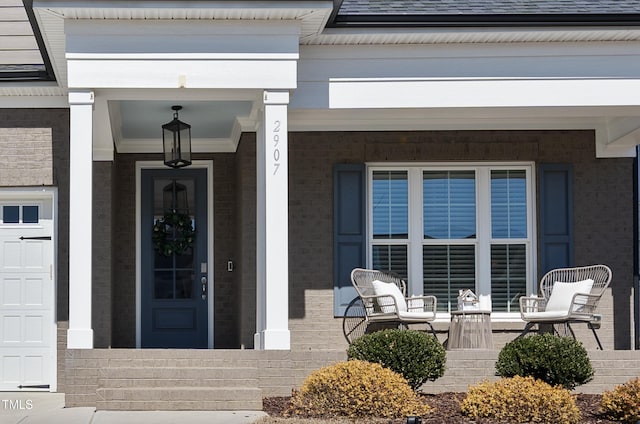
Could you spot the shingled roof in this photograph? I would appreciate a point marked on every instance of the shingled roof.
(482, 7)
(463, 12)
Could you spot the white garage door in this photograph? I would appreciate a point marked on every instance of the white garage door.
(26, 295)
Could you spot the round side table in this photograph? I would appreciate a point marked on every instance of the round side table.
(470, 330)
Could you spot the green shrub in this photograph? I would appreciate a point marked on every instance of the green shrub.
(415, 355)
(356, 389)
(555, 360)
(521, 400)
(623, 402)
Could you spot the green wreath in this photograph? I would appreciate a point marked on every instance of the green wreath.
(173, 233)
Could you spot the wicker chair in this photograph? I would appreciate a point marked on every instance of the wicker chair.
(567, 295)
(384, 300)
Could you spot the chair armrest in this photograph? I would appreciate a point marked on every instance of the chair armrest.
(529, 304)
(374, 304)
(422, 303)
(583, 304)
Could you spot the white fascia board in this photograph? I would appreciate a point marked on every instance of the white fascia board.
(372, 93)
(223, 74)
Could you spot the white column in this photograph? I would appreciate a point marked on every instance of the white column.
(273, 225)
(80, 333)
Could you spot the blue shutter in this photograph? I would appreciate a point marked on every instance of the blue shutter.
(556, 216)
(349, 237)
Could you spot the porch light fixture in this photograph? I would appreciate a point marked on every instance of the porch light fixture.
(176, 141)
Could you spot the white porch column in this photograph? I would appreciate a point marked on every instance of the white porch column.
(272, 225)
(80, 333)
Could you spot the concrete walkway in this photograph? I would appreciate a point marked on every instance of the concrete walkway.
(48, 408)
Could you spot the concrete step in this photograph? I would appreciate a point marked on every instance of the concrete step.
(179, 398)
(248, 375)
(143, 383)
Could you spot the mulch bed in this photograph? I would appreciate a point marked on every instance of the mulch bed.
(447, 409)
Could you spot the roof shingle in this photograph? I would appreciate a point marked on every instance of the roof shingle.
(487, 7)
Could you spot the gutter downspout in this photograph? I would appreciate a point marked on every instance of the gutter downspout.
(636, 250)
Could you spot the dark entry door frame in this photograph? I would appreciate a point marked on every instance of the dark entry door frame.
(153, 165)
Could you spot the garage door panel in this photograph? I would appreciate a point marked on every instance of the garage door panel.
(33, 366)
(10, 370)
(24, 330)
(26, 369)
(11, 292)
(11, 330)
(34, 255)
(34, 292)
(11, 255)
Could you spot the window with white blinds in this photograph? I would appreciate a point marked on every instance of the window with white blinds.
(449, 227)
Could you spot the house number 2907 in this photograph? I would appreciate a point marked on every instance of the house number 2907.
(276, 149)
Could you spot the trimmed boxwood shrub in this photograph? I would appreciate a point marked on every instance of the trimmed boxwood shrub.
(415, 355)
(521, 400)
(623, 402)
(552, 359)
(356, 389)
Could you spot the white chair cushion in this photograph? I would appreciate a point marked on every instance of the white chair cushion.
(417, 316)
(562, 294)
(386, 304)
(546, 316)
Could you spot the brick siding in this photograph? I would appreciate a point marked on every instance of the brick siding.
(603, 234)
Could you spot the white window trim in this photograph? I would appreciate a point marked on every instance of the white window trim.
(483, 215)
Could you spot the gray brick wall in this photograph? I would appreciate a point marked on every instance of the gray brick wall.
(226, 290)
(102, 265)
(28, 156)
(124, 250)
(602, 200)
(246, 236)
(603, 224)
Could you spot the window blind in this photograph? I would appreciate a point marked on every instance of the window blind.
(448, 269)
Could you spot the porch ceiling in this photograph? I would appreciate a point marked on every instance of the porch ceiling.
(215, 125)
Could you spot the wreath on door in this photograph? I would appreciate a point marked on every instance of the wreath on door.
(173, 233)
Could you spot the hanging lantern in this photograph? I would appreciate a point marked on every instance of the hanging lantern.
(176, 141)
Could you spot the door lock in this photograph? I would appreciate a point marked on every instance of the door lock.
(203, 280)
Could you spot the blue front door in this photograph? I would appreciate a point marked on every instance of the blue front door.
(174, 287)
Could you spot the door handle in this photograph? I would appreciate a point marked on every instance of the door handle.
(203, 280)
